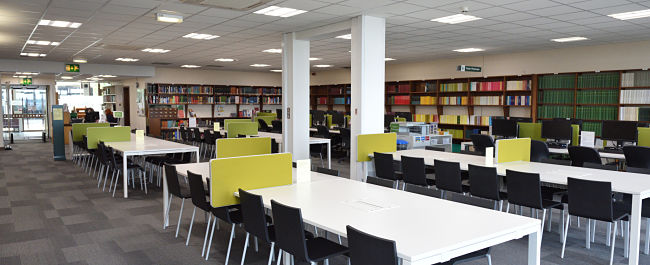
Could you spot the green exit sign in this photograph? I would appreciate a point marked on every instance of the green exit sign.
(26, 81)
(468, 68)
(72, 68)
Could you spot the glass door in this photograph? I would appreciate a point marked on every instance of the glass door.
(25, 111)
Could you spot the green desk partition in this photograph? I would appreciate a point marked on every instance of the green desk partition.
(267, 119)
(108, 134)
(226, 122)
(328, 120)
(370, 143)
(575, 138)
(79, 129)
(401, 119)
(245, 128)
(531, 130)
(267, 114)
(509, 150)
(644, 137)
(228, 175)
(233, 147)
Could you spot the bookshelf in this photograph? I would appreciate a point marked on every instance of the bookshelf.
(168, 104)
(109, 97)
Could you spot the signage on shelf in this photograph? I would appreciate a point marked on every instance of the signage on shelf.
(468, 68)
(72, 68)
(26, 81)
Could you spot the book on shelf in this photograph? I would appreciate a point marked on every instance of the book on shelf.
(556, 81)
(635, 96)
(555, 97)
(599, 80)
(596, 113)
(635, 79)
(486, 86)
(271, 91)
(487, 100)
(321, 100)
(201, 100)
(398, 88)
(248, 90)
(453, 87)
(455, 133)
(548, 112)
(342, 100)
(629, 113)
(272, 100)
(599, 96)
(399, 100)
(454, 101)
(200, 89)
(515, 85)
(517, 101)
(249, 100)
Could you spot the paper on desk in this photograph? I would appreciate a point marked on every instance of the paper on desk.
(303, 173)
(139, 135)
(370, 205)
(587, 138)
(217, 126)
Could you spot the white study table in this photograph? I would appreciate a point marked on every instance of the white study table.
(331, 131)
(312, 140)
(562, 151)
(638, 185)
(147, 146)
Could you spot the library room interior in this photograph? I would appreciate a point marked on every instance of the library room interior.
(343, 132)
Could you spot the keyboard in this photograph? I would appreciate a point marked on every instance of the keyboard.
(611, 150)
(556, 145)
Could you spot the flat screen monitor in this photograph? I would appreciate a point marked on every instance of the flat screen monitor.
(504, 128)
(279, 114)
(625, 131)
(520, 119)
(557, 129)
(406, 115)
(388, 118)
(339, 119)
(318, 117)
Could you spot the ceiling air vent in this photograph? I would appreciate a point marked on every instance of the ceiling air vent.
(161, 63)
(241, 5)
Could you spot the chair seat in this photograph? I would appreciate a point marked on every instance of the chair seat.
(321, 249)
(308, 235)
(550, 204)
(467, 257)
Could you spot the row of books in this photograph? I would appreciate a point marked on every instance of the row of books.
(597, 96)
(246, 113)
(166, 112)
(636, 79)
(518, 85)
(596, 113)
(169, 89)
(453, 87)
(556, 81)
(556, 97)
(399, 100)
(456, 101)
(271, 91)
(342, 100)
(629, 113)
(339, 90)
(173, 123)
(157, 99)
(227, 99)
(465, 119)
(599, 80)
(321, 100)
(455, 133)
(201, 90)
(486, 86)
(517, 101)
(226, 90)
(423, 100)
(487, 100)
(201, 100)
(399, 88)
(171, 135)
(249, 100)
(593, 127)
(271, 100)
(636, 96)
(547, 112)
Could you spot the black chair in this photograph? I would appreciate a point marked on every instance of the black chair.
(525, 189)
(368, 249)
(131, 169)
(331, 172)
(484, 183)
(277, 126)
(384, 167)
(599, 166)
(581, 154)
(255, 221)
(422, 190)
(174, 189)
(345, 142)
(291, 237)
(481, 141)
(538, 151)
(323, 132)
(474, 153)
(380, 182)
(448, 177)
(593, 200)
(637, 156)
(275, 147)
(414, 171)
(556, 162)
(434, 148)
(264, 127)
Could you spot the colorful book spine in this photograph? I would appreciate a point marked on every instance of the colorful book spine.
(487, 100)
(486, 86)
(518, 100)
(453, 87)
(454, 101)
(518, 85)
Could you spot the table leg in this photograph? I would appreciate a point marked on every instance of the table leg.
(286, 258)
(635, 230)
(126, 174)
(198, 159)
(534, 247)
(165, 200)
(329, 154)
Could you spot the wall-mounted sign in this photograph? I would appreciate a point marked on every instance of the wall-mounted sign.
(26, 81)
(72, 68)
(468, 68)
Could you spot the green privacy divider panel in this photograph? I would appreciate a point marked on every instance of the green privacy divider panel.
(644, 137)
(267, 114)
(509, 150)
(245, 128)
(575, 130)
(226, 122)
(232, 147)
(108, 134)
(267, 119)
(370, 143)
(531, 130)
(400, 119)
(328, 120)
(79, 129)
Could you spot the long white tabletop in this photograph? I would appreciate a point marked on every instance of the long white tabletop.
(561, 151)
(638, 185)
(312, 140)
(147, 146)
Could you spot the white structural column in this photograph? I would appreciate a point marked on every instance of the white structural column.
(368, 74)
(295, 96)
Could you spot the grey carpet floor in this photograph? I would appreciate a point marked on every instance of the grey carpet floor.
(52, 213)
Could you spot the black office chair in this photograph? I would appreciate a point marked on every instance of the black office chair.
(277, 126)
(275, 147)
(263, 126)
(255, 221)
(331, 172)
(637, 156)
(322, 131)
(345, 142)
(434, 148)
(174, 189)
(538, 151)
(414, 171)
(291, 237)
(556, 161)
(381, 182)
(525, 189)
(581, 154)
(422, 190)
(368, 249)
(448, 177)
(481, 141)
(484, 183)
(384, 167)
(198, 194)
(593, 200)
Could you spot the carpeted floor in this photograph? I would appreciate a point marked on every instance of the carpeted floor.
(52, 213)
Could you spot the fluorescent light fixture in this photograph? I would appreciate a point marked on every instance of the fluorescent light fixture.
(169, 18)
(276, 70)
(95, 78)
(43, 42)
(32, 54)
(26, 73)
(106, 76)
(345, 37)
(569, 39)
(470, 50)
(455, 19)
(155, 50)
(631, 15)
(199, 36)
(59, 23)
(389, 59)
(315, 59)
(190, 66)
(20, 76)
(224, 60)
(273, 51)
(79, 60)
(67, 77)
(323, 65)
(260, 65)
(276, 11)
(127, 59)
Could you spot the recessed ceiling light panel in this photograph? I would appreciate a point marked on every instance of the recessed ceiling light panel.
(455, 19)
(323, 65)
(79, 60)
(155, 50)
(127, 59)
(59, 23)
(345, 37)
(276, 11)
(273, 51)
(199, 36)
(470, 50)
(276, 70)
(569, 39)
(389, 59)
(169, 18)
(631, 15)
(190, 66)
(260, 65)
(32, 54)
(227, 60)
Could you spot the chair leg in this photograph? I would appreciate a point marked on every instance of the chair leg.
(243, 257)
(116, 179)
(647, 236)
(593, 232)
(279, 257)
(566, 231)
(169, 206)
(256, 245)
(588, 235)
(609, 232)
(550, 218)
(207, 251)
(271, 253)
(207, 230)
(508, 208)
(489, 258)
(626, 240)
(189, 232)
(561, 224)
(543, 221)
(232, 235)
(180, 214)
(611, 251)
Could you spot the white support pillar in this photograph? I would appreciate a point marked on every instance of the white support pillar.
(295, 96)
(368, 73)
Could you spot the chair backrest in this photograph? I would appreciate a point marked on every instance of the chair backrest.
(345, 137)
(277, 125)
(434, 148)
(422, 190)
(581, 154)
(196, 134)
(599, 166)
(524, 189)
(111, 158)
(368, 249)
(275, 147)
(448, 176)
(484, 182)
(289, 230)
(639, 170)
(323, 131)
(253, 216)
(538, 151)
(413, 170)
(381, 182)
(263, 125)
(172, 180)
(637, 156)
(481, 141)
(556, 161)
(331, 172)
(384, 166)
(590, 199)
(208, 137)
(197, 191)
(466, 152)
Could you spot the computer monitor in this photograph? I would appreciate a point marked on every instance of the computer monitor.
(339, 119)
(279, 114)
(388, 118)
(504, 128)
(557, 129)
(406, 115)
(621, 131)
(318, 117)
(520, 119)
